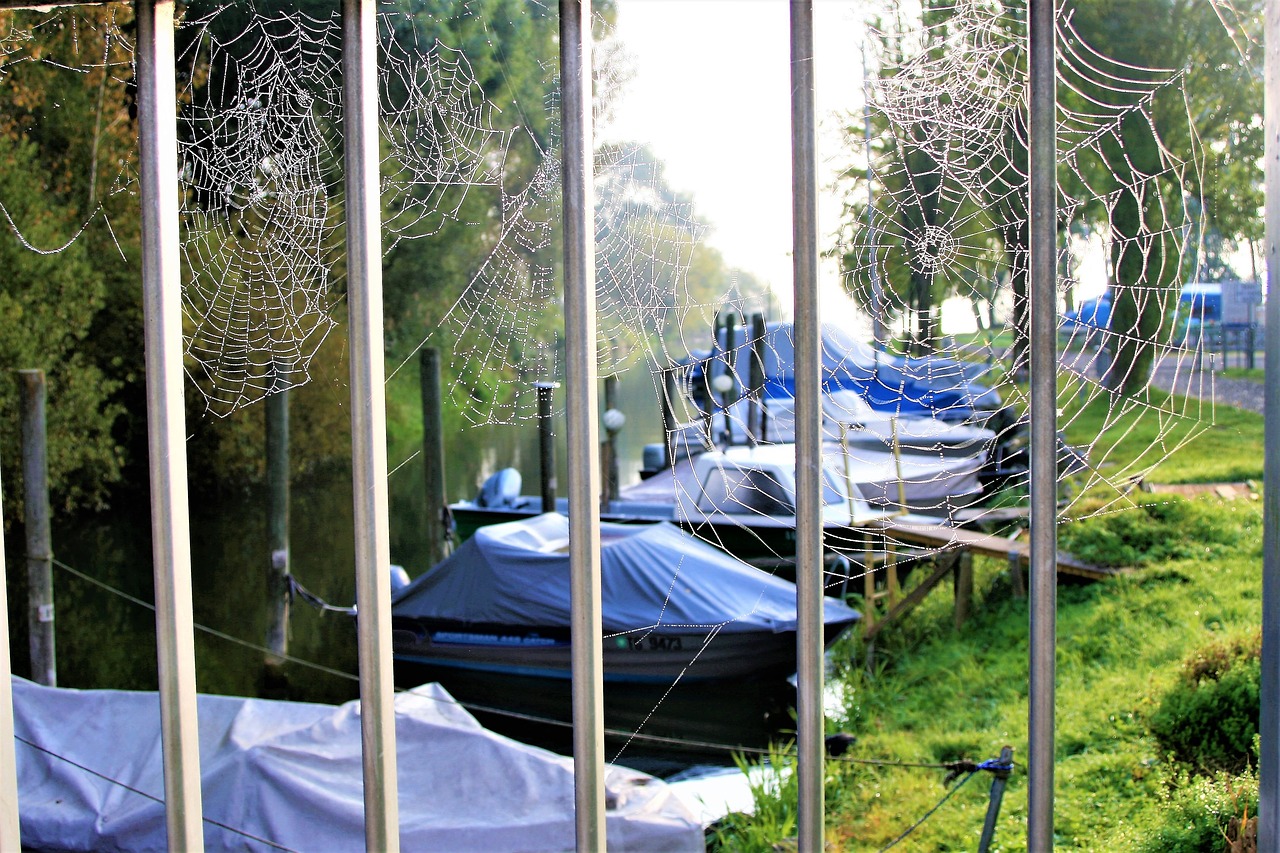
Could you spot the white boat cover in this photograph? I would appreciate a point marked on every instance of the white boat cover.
(656, 575)
(287, 775)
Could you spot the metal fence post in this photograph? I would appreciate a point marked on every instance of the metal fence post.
(10, 834)
(1042, 288)
(166, 421)
(369, 422)
(581, 422)
(1269, 723)
(809, 578)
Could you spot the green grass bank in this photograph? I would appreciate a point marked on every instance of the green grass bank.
(1156, 703)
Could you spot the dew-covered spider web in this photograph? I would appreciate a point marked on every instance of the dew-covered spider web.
(1138, 181)
(925, 424)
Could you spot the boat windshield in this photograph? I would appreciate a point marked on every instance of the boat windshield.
(756, 491)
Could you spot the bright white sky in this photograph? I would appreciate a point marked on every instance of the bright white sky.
(711, 96)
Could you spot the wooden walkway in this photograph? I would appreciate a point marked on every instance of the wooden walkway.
(944, 538)
(954, 548)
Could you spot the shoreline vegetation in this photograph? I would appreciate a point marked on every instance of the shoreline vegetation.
(1157, 682)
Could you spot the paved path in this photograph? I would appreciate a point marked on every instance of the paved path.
(1181, 375)
(1240, 393)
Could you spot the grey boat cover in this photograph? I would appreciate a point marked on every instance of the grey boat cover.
(652, 576)
(289, 773)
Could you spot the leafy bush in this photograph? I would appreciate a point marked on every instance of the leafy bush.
(1197, 816)
(1209, 719)
(1155, 529)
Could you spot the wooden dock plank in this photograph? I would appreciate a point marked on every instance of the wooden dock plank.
(947, 538)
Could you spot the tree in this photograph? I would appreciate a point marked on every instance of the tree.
(942, 108)
(48, 303)
(1158, 121)
(70, 303)
(1172, 105)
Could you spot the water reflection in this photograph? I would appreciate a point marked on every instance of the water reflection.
(106, 640)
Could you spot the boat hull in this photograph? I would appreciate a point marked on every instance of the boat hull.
(636, 657)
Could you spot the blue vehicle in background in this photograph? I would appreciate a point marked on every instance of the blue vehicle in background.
(1090, 315)
(1199, 307)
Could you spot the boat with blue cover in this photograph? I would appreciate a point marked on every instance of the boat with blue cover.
(673, 607)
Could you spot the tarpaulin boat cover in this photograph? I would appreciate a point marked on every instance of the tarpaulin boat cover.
(289, 773)
(517, 574)
(928, 385)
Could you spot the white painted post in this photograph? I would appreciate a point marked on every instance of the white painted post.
(166, 421)
(369, 423)
(10, 836)
(581, 423)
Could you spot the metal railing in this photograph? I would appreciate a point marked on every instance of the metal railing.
(161, 286)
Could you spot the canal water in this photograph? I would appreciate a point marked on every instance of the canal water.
(106, 636)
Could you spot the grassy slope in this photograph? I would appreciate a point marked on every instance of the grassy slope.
(1180, 440)
(941, 695)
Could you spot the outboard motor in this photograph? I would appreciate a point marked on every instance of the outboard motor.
(501, 491)
(399, 578)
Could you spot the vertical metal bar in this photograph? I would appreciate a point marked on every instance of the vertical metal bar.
(1269, 722)
(35, 483)
(10, 834)
(166, 422)
(804, 231)
(581, 430)
(369, 423)
(1044, 473)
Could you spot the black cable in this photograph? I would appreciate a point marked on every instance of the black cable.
(710, 746)
(142, 793)
(929, 813)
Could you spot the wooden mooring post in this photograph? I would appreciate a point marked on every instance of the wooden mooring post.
(433, 455)
(35, 481)
(613, 421)
(963, 582)
(668, 415)
(275, 679)
(546, 445)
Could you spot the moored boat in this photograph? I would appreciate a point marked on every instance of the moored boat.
(673, 607)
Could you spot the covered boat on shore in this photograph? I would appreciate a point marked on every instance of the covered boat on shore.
(287, 776)
(673, 607)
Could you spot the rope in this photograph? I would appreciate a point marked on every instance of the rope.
(319, 667)
(316, 601)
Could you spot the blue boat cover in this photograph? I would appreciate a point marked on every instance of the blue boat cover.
(929, 386)
(652, 576)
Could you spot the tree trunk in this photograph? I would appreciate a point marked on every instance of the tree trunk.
(1145, 260)
(1017, 237)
